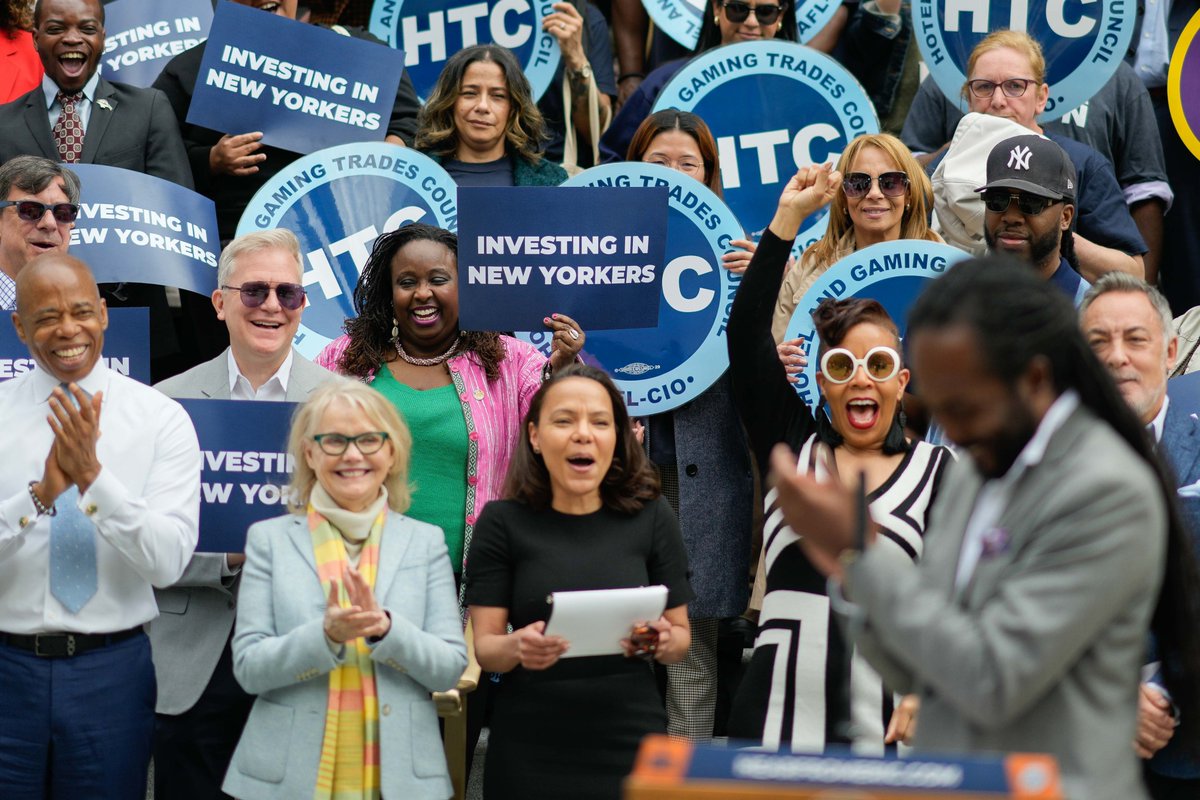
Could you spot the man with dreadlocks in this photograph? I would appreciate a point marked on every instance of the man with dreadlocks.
(1023, 627)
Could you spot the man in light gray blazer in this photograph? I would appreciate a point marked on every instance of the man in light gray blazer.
(201, 709)
(1024, 626)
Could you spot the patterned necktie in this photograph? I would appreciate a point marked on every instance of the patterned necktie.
(72, 553)
(72, 549)
(68, 131)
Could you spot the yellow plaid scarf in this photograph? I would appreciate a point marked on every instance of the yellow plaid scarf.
(349, 768)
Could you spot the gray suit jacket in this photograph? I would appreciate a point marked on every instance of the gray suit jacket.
(138, 131)
(280, 654)
(196, 614)
(1041, 650)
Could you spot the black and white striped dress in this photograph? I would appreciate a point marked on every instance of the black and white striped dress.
(798, 692)
(802, 689)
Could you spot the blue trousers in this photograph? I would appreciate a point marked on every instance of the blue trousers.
(77, 727)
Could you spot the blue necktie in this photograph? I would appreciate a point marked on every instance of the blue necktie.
(72, 553)
(72, 550)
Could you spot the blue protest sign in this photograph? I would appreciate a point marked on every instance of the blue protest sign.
(773, 107)
(1083, 41)
(430, 31)
(893, 273)
(305, 87)
(680, 19)
(246, 467)
(337, 201)
(594, 254)
(660, 369)
(141, 36)
(126, 346)
(135, 228)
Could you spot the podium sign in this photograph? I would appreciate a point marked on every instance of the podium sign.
(677, 769)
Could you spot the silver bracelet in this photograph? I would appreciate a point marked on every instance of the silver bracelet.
(42, 510)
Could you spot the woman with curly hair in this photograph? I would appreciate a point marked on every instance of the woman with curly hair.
(20, 67)
(481, 123)
(583, 511)
(462, 393)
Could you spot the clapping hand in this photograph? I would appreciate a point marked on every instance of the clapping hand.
(76, 425)
(363, 617)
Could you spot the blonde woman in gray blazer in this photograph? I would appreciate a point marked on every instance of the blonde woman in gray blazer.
(290, 636)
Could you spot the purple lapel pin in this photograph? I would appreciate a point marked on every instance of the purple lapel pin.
(995, 542)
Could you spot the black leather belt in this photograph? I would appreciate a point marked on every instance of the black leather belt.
(64, 645)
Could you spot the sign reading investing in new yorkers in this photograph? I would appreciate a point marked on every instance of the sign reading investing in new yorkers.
(659, 369)
(305, 87)
(141, 36)
(135, 228)
(680, 19)
(126, 346)
(773, 107)
(245, 467)
(337, 202)
(430, 31)
(893, 273)
(1083, 41)
(1183, 86)
(592, 253)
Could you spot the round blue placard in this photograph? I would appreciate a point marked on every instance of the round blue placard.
(680, 19)
(1083, 41)
(773, 107)
(660, 369)
(337, 201)
(430, 31)
(893, 273)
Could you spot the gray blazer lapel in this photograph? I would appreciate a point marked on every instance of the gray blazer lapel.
(393, 550)
(37, 118)
(947, 525)
(304, 378)
(301, 539)
(98, 121)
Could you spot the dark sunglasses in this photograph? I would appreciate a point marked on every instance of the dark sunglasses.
(998, 200)
(254, 294)
(737, 12)
(891, 184)
(334, 444)
(33, 211)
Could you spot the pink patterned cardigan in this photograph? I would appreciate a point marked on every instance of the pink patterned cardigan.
(493, 413)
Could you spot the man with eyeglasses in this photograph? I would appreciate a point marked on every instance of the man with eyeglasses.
(40, 203)
(1030, 202)
(201, 709)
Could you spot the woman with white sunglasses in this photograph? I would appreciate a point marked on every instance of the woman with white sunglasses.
(803, 689)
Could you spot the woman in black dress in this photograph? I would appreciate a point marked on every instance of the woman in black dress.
(583, 512)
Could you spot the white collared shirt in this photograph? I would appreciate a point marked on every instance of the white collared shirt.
(145, 504)
(994, 496)
(83, 108)
(1160, 419)
(275, 389)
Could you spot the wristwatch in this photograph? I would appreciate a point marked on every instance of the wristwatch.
(581, 75)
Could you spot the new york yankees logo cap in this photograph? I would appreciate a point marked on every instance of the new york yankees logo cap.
(1032, 164)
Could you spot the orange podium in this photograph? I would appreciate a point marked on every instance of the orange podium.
(678, 770)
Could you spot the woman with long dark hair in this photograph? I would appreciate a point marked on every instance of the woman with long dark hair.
(481, 123)
(583, 511)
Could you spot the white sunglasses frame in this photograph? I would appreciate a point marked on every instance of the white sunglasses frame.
(860, 363)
